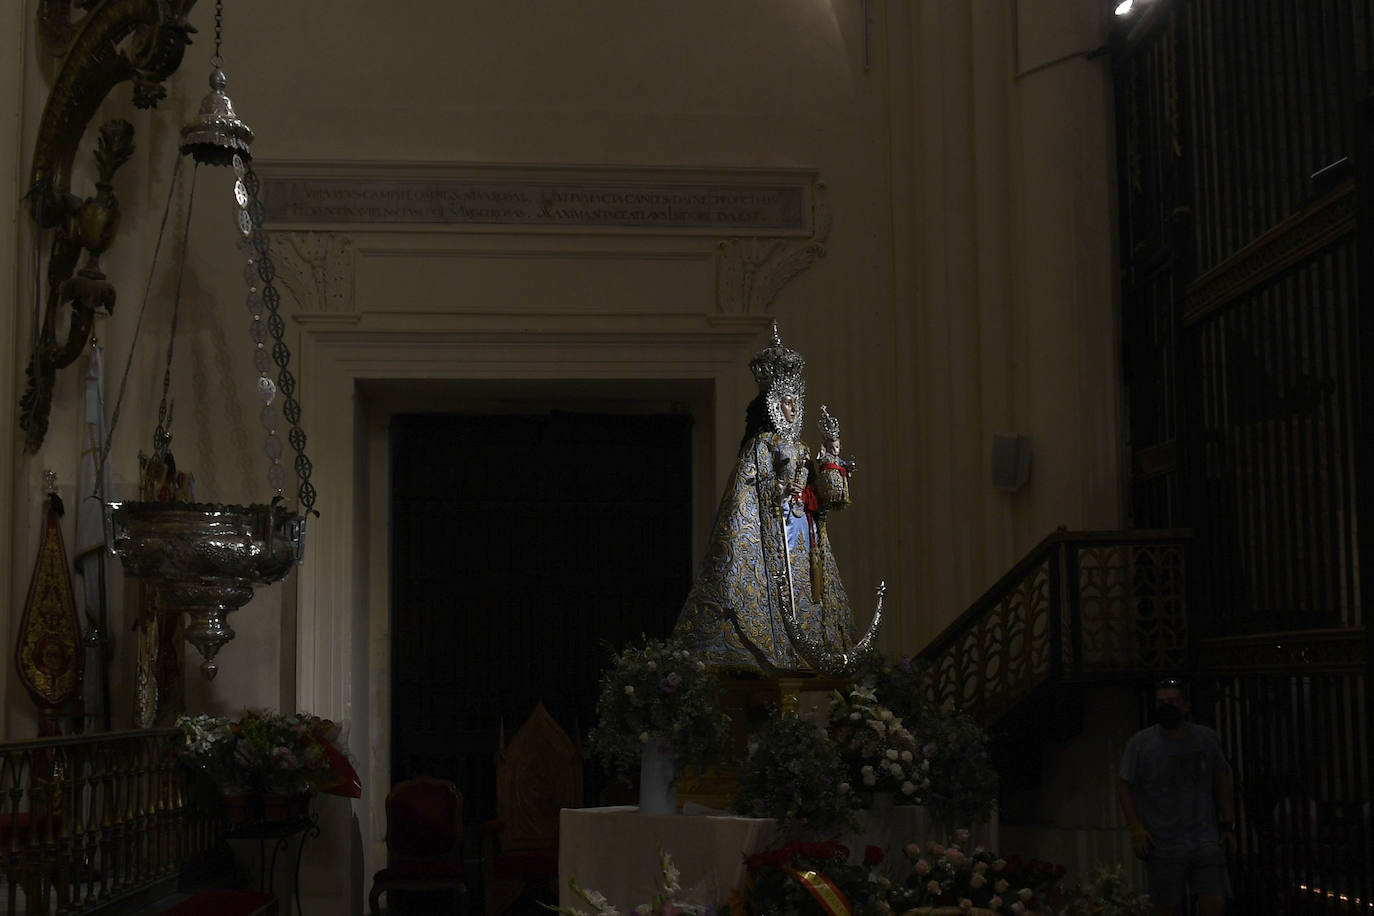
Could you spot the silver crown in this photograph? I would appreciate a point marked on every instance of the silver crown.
(778, 370)
(830, 426)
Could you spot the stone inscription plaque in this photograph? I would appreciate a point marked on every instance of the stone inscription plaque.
(758, 209)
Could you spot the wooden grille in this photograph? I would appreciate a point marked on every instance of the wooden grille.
(523, 548)
(1244, 253)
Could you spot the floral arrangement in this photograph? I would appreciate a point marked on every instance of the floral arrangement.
(657, 691)
(963, 781)
(880, 754)
(808, 879)
(953, 876)
(1107, 893)
(269, 753)
(903, 685)
(794, 773)
(665, 902)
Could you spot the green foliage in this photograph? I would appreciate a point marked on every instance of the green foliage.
(963, 781)
(794, 773)
(776, 882)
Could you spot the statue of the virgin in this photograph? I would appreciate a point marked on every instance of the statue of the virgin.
(768, 596)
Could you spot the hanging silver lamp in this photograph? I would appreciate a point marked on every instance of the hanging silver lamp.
(206, 558)
(216, 134)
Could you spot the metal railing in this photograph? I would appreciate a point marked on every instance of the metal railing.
(88, 821)
(1082, 606)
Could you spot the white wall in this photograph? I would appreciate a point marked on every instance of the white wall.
(967, 286)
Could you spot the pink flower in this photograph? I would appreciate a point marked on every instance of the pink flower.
(935, 849)
(922, 867)
(1001, 886)
(976, 880)
(933, 887)
(955, 857)
(912, 850)
(965, 904)
(995, 903)
(961, 835)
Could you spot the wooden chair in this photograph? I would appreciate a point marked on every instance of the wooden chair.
(424, 843)
(537, 775)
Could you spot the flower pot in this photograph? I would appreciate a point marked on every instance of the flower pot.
(657, 792)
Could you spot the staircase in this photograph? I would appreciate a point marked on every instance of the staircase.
(1081, 608)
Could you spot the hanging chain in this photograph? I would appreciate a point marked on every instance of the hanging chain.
(217, 61)
(162, 434)
(147, 290)
(259, 274)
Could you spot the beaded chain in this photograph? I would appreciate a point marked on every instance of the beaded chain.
(259, 273)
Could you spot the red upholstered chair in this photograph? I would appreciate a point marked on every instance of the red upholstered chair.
(424, 843)
(537, 775)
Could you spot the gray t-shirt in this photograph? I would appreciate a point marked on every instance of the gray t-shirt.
(1172, 780)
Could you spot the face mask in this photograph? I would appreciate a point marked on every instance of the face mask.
(1168, 715)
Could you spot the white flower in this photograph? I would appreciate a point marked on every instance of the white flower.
(855, 716)
(896, 771)
(870, 779)
(908, 788)
(652, 666)
(906, 756)
(886, 715)
(629, 690)
(892, 753)
(842, 788)
(643, 737)
(866, 770)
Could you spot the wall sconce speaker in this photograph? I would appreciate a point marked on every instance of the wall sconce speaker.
(1011, 460)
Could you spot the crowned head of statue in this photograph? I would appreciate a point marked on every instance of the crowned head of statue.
(778, 372)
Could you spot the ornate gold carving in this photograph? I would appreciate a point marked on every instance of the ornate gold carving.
(317, 269)
(750, 272)
(117, 40)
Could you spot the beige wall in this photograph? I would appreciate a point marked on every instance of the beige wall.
(967, 286)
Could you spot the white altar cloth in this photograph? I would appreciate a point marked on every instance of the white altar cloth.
(615, 851)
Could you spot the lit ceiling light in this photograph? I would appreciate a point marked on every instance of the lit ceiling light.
(1124, 7)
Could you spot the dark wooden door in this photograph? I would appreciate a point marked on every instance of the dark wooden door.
(523, 548)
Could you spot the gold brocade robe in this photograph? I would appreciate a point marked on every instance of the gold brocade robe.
(731, 618)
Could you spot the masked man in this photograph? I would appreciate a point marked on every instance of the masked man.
(1175, 790)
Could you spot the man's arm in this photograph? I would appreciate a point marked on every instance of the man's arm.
(1226, 798)
(1140, 836)
(1127, 799)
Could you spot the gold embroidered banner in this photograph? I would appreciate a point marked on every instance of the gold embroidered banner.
(48, 652)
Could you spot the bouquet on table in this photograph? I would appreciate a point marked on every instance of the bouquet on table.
(267, 753)
(658, 692)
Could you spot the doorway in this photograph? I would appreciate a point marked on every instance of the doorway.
(523, 548)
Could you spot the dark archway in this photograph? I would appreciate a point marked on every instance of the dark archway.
(521, 547)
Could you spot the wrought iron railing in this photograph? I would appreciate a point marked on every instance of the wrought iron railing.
(88, 821)
(1082, 606)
